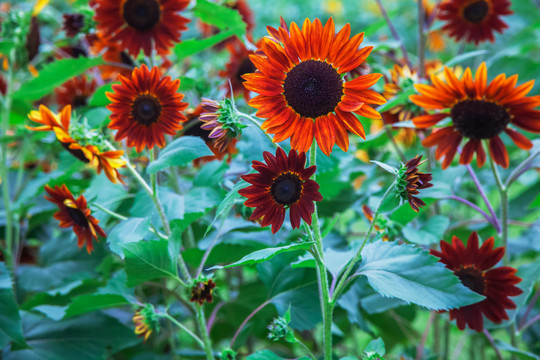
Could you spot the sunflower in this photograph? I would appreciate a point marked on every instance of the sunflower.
(474, 20)
(479, 111)
(238, 65)
(72, 24)
(411, 180)
(146, 321)
(201, 292)
(302, 92)
(474, 267)
(145, 107)
(193, 127)
(283, 182)
(59, 124)
(76, 214)
(142, 24)
(75, 92)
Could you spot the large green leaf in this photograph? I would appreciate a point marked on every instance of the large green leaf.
(226, 205)
(179, 153)
(91, 337)
(10, 320)
(90, 302)
(192, 46)
(411, 274)
(264, 355)
(266, 254)
(430, 233)
(220, 16)
(53, 75)
(128, 231)
(148, 260)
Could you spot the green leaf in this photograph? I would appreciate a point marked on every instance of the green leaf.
(264, 355)
(400, 99)
(10, 320)
(391, 202)
(375, 347)
(90, 302)
(73, 338)
(179, 152)
(226, 205)
(389, 168)
(220, 16)
(265, 254)
(430, 233)
(411, 274)
(511, 349)
(128, 231)
(99, 98)
(53, 75)
(192, 46)
(148, 260)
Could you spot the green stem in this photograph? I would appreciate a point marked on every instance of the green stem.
(204, 333)
(179, 324)
(344, 277)
(306, 349)
(153, 177)
(388, 131)
(324, 290)
(4, 171)
(110, 212)
(503, 191)
(257, 124)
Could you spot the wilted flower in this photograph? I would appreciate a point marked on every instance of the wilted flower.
(201, 291)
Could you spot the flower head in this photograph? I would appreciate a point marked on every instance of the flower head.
(221, 120)
(76, 214)
(146, 321)
(410, 180)
(479, 111)
(72, 24)
(145, 107)
(282, 183)
(142, 24)
(75, 92)
(201, 291)
(474, 20)
(473, 265)
(302, 92)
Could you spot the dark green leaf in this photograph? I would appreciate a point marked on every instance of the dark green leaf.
(99, 98)
(266, 254)
(411, 274)
(10, 320)
(430, 233)
(53, 75)
(521, 354)
(264, 355)
(147, 260)
(87, 303)
(220, 16)
(179, 153)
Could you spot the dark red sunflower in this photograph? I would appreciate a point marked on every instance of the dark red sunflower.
(474, 20)
(303, 94)
(474, 267)
(238, 65)
(76, 214)
(479, 111)
(72, 24)
(142, 24)
(282, 183)
(75, 92)
(201, 292)
(145, 107)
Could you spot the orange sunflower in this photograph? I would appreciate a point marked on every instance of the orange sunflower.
(479, 111)
(75, 92)
(145, 107)
(142, 24)
(474, 20)
(76, 214)
(302, 92)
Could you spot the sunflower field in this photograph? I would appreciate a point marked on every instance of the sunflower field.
(270, 180)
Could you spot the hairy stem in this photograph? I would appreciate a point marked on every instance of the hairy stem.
(204, 333)
(324, 290)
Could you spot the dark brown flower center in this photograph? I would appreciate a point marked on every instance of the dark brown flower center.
(146, 109)
(142, 14)
(479, 119)
(77, 216)
(126, 59)
(80, 101)
(472, 278)
(246, 67)
(476, 12)
(313, 88)
(286, 189)
(193, 128)
(75, 152)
